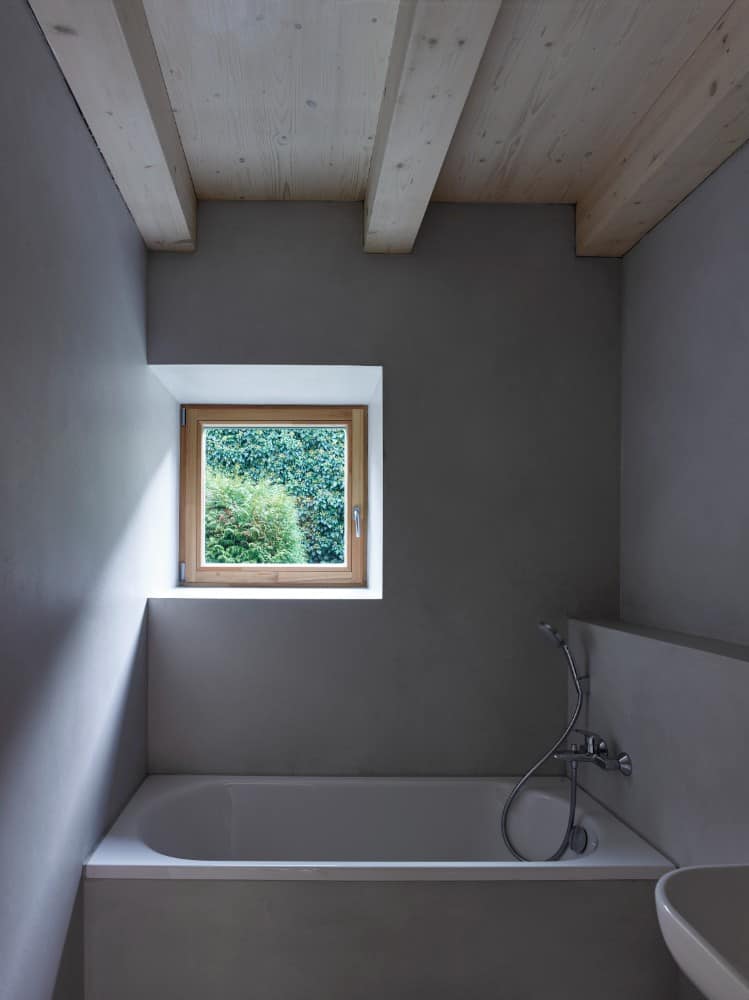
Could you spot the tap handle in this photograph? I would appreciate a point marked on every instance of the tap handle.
(593, 742)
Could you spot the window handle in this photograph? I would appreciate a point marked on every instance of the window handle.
(357, 521)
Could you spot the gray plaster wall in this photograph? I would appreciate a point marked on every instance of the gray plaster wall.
(685, 425)
(679, 706)
(87, 458)
(685, 524)
(501, 358)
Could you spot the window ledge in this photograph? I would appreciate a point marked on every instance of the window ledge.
(268, 594)
(280, 385)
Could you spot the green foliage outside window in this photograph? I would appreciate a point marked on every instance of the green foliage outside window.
(250, 522)
(307, 465)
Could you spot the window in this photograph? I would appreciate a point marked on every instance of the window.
(274, 496)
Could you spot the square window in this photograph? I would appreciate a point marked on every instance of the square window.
(274, 496)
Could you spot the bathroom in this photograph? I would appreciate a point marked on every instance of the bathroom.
(555, 433)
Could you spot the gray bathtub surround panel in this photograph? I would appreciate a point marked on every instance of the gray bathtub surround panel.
(685, 415)
(679, 707)
(86, 433)
(501, 426)
(335, 941)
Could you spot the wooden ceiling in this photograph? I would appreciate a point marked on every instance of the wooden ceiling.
(619, 106)
(561, 84)
(275, 100)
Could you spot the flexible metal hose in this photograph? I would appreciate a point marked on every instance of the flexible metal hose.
(573, 772)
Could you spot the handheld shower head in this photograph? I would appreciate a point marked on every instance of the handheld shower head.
(552, 634)
(558, 640)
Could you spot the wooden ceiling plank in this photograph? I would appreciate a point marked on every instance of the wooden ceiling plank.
(437, 47)
(560, 86)
(106, 53)
(699, 120)
(275, 99)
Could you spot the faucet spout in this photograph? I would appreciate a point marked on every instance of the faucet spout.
(573, 753)
(600, 757)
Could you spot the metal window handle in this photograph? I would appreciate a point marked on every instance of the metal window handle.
(357, 521)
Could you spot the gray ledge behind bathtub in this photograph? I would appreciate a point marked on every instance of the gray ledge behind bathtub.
(680, 706)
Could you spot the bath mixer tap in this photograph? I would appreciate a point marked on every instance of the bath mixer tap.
(594, 750)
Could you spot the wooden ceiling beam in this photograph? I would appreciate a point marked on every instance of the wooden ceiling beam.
(698, 121)
(106, 53)
(437, 47)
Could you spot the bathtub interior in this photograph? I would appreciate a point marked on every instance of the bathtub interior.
(390, 820)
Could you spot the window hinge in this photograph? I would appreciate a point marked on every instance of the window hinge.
(182, 416)
(182, 572)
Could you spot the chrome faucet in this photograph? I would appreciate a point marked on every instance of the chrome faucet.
(594, 750)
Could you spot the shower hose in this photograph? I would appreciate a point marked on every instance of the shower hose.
(573, 770)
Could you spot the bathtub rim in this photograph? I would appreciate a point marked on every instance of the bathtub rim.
(122, 853)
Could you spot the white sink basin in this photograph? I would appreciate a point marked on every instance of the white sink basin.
(704, 918)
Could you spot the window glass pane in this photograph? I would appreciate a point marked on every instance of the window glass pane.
(274, 495)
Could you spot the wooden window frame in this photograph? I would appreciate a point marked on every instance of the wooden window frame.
(353, 573)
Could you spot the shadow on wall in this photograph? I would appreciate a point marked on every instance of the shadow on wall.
(87, 456)
(69, 984)
(73, 734)
(77, 806)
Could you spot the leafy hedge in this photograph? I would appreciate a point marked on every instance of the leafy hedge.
(247, 521)
(309, 462)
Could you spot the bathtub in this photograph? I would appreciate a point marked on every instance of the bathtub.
(362, 829)
(364, 888)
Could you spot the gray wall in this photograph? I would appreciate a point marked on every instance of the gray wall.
(685, 428)
(679, 706)
(685, 522)
(86, 432)
(501, 407)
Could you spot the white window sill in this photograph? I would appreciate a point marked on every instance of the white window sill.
(269, 594)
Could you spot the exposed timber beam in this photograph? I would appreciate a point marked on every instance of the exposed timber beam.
(437, 47)
(698, 121)
(106, 53)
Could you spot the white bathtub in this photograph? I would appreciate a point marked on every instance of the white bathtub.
(333, 889)
(361, 829)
